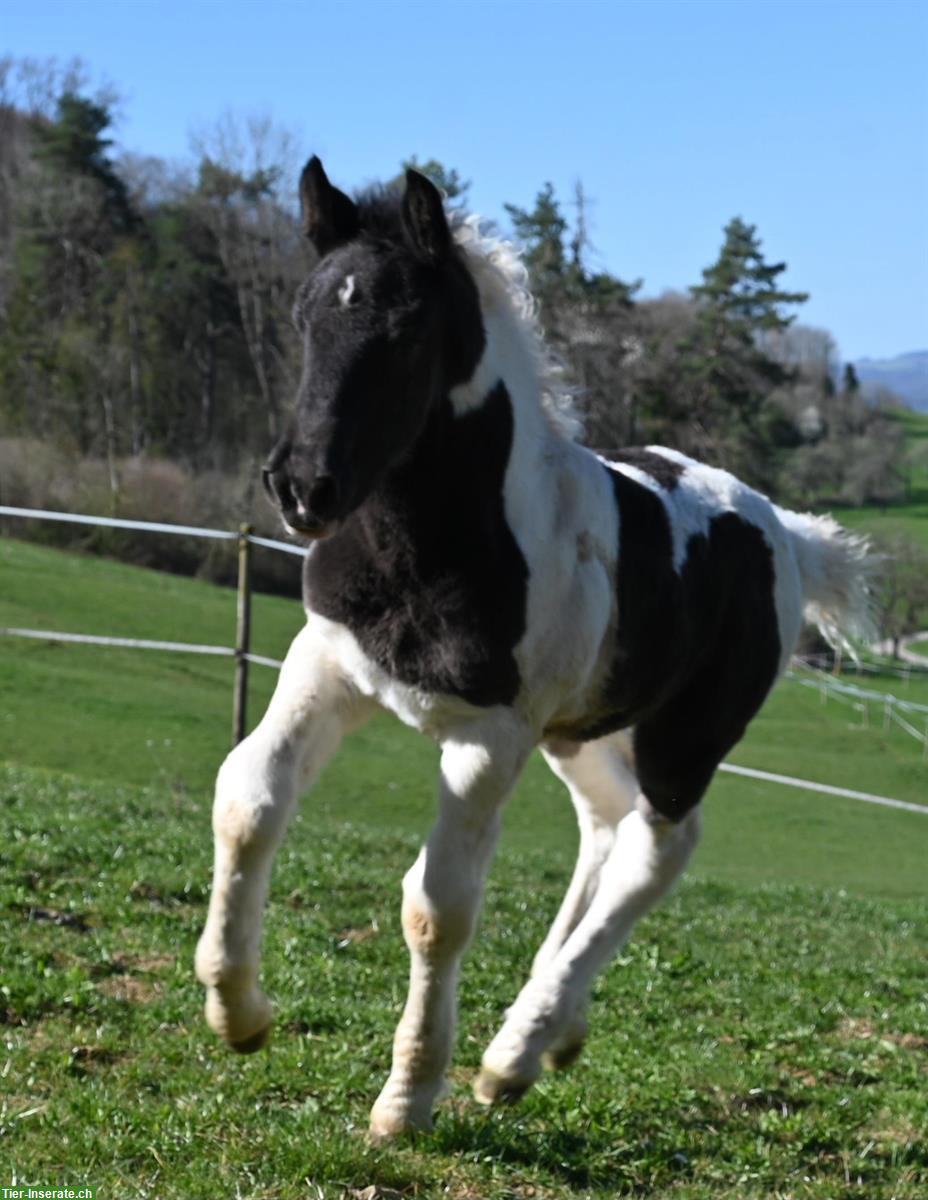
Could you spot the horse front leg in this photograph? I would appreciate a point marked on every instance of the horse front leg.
(255, 791)
(441, 899)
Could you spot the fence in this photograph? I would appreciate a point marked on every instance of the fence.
(894, 710)
(241, 651)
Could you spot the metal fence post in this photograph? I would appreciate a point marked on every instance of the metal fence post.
(242, 635)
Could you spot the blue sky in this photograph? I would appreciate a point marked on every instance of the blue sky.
(808, 119)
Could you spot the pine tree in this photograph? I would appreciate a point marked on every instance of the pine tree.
(851, 380)
(541, 232)
(73, 145)
(731, 377)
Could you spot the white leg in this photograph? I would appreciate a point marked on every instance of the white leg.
(603, 789)
(256, 787)
(647, 857)
(441, 899)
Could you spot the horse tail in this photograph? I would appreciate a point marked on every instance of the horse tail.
(837, 571)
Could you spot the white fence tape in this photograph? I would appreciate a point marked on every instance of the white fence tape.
(93, 639)
(42, 514)
(826, 788)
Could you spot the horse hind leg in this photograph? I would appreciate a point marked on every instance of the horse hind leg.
(602, 788)
(255, 792)
(647, 855)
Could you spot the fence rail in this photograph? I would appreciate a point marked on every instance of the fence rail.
(241, 651)
(225, 535)
(895, 710)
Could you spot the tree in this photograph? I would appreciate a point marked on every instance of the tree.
(587, 315)
(902, 599)
(72, 145)
(243, 193)
(541, 231)
(730, 378)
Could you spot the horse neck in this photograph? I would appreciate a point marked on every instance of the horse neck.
(473, 434)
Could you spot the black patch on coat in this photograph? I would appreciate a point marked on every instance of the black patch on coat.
(664, 471)
(427, 574)
(695, 653)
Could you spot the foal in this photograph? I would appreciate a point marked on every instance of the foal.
(498, 587)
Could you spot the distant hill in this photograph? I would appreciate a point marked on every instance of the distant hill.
(906, 375)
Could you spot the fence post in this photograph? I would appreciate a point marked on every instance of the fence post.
(242, 635)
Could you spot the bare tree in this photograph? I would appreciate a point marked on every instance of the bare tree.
(245, 187)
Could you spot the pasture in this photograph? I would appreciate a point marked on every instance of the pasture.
(765, 1034)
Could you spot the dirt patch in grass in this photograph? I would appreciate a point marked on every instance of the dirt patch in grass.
(145, 964)
(859, 1029)
(129, 989)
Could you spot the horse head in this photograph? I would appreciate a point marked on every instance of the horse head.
(390, 322)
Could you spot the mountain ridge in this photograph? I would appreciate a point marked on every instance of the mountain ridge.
(904, 374)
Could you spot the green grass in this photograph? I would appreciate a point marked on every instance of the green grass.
(751, 1042)
(919, 647)
(764, 1034)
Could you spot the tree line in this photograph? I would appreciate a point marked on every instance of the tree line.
(147, 357)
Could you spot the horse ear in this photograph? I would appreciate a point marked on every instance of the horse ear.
(424, 217)
(329, 216)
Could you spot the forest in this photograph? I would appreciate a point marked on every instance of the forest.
(147, 357)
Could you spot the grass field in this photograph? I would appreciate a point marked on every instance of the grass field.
(764, 1035)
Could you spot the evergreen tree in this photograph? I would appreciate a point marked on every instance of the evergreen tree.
(73, 145)
(851, 380)
(541, 232)
(731, 378)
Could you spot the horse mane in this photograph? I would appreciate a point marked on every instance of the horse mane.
(498, 268)
(499, 272)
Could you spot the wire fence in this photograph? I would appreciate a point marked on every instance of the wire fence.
(241, 651)
(893, 709)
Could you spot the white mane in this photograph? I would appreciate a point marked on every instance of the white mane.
(498, 268)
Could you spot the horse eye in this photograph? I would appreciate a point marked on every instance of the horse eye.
(348, 295)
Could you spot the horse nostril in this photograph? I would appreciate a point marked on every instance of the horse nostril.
(322, 499)
(278, 487)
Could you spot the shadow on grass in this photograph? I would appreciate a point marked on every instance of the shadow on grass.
(630, 1159)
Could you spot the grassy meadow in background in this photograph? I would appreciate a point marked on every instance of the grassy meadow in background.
(765, 1034)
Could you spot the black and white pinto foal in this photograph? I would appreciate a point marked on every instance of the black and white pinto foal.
(498, 587)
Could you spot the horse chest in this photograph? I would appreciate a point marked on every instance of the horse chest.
(445, 622)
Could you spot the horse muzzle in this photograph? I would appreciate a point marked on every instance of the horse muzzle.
(309, 510)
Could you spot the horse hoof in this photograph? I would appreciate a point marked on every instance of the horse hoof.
(387, 1124)
(250, 1044)
(246, 1026)
(560, 1057)
(566, 1049)
(490, 1088)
